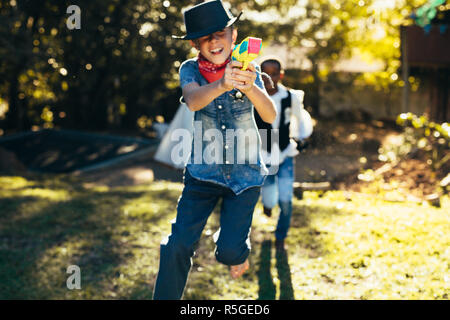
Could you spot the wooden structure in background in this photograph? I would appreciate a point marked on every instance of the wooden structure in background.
(428, 51)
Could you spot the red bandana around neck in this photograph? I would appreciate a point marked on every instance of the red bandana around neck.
(212, 72)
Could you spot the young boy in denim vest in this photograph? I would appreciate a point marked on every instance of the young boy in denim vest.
(223, 98)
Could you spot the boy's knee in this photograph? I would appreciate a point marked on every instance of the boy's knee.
(176, 246)
(286, 190)
(286, 197)
(231, 255)
(285, 207)
(269, 197)
(285, 204)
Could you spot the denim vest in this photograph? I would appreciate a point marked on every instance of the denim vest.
(226, 145)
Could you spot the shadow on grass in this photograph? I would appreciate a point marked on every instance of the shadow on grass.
(267, 289)
(10, 206)
(87, 230)
(284, 274)
(307, 237)
(303, 238)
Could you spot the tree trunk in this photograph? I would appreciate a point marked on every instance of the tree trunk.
(15, 113)
(315, 101)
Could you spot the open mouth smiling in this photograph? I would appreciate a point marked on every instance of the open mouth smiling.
(216, 51)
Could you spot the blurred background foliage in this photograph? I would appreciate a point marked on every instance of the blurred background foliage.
(120, 70)
(120, 65)
(421, 134)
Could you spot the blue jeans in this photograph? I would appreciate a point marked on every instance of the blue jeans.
(195, 205)
(279, 188)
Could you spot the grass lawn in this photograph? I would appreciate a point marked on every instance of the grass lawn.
(340, 247)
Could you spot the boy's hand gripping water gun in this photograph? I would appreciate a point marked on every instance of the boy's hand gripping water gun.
(247, 51)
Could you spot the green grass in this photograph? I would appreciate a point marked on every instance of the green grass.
(339, 248)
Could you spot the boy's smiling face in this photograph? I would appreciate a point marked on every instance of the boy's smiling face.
(217, 46)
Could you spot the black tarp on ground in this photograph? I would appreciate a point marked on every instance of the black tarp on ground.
(62, 151)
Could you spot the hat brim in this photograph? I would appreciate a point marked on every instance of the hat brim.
(196, 35)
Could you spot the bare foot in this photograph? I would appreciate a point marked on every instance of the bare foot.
(238, 270)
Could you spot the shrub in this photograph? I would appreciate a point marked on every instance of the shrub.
(430, 137)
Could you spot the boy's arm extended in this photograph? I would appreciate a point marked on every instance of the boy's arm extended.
(198, 97)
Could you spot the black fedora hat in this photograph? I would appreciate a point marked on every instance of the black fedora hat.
(206, 18)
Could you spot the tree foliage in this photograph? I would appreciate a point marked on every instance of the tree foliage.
(121, 64)
(120, 70)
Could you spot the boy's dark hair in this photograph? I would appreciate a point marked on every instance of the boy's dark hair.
(274, 61)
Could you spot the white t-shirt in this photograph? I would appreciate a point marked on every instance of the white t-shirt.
(292, 114)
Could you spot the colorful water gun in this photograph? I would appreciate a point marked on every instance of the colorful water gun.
(247, 51)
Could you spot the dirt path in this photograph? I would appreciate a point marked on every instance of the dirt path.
(135, 171)
(337, 150)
